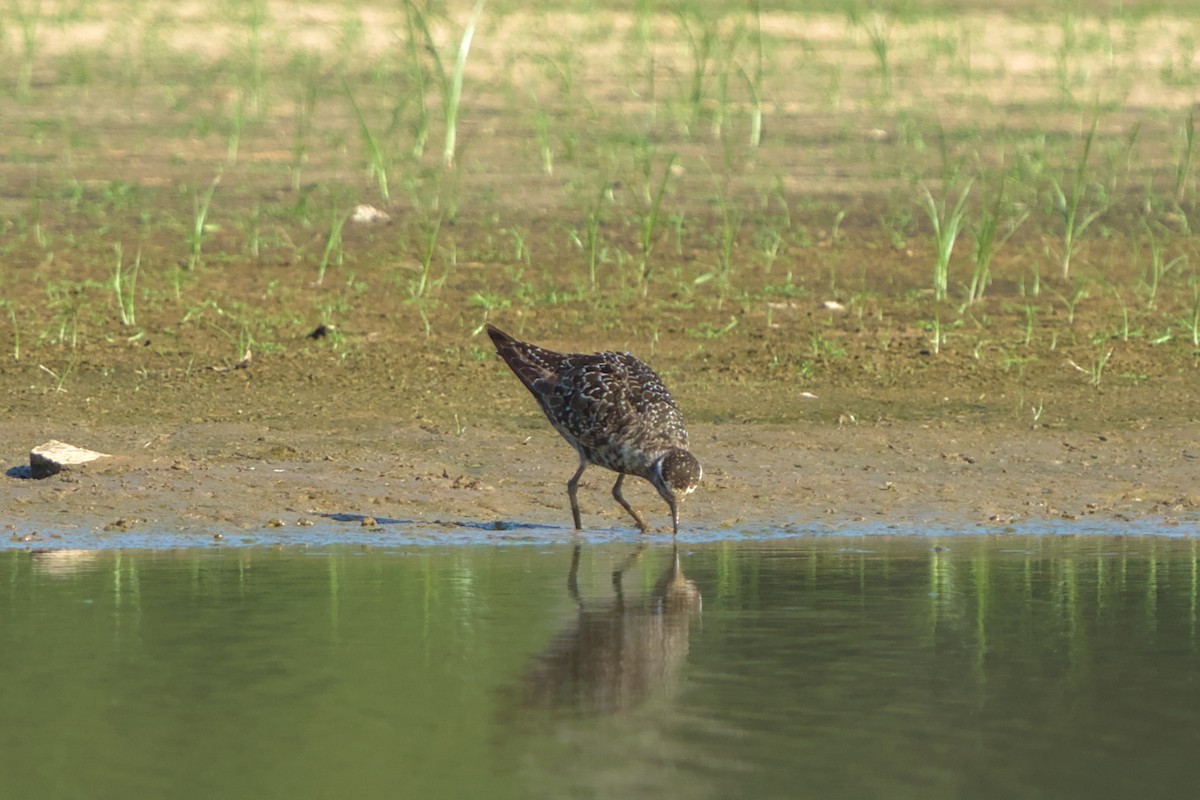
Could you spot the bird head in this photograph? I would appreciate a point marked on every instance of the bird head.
(676, 475)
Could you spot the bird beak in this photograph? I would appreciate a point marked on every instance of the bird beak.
(675, 517)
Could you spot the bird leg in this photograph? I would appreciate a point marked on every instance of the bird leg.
(619, 573)
(573, 576)
(620, 498)
(573, 489)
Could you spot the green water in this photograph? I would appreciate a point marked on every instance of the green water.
(945, 667)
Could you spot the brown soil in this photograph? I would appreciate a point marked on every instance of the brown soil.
(958, 472)
(888, 408)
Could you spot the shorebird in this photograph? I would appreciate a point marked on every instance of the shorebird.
(615, 412)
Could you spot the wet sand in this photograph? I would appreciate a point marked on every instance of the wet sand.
(902, 476)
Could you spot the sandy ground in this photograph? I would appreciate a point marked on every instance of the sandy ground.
(904, 477)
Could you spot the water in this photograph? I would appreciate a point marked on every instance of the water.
(947, 667)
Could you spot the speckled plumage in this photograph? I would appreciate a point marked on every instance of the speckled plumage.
(615, 412)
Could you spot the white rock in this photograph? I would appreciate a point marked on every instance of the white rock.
(366, 214)
(55, 456)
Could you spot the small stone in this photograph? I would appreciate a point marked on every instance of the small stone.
(365, 214)
(55, 456)
(321, 331)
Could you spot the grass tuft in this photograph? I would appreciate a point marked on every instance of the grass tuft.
(1074, 224)
(947, 224)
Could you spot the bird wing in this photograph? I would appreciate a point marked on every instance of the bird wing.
(537, 367)
(652, 403)
(607, 398)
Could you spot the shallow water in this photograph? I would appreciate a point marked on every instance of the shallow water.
(977, 666)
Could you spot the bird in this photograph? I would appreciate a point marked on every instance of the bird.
(615, 412)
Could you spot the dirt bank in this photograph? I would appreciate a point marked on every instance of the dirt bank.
(863, 474)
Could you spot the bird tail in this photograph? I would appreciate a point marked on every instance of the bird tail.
(529, 362)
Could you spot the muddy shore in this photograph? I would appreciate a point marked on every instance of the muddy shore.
(833, 472)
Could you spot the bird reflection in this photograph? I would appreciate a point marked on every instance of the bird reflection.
(617, 652)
